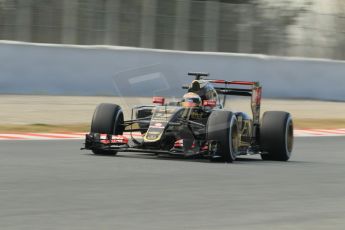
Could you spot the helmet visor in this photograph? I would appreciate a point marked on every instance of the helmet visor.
(191, 102)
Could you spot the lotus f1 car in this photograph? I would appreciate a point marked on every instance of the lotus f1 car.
(197, 125)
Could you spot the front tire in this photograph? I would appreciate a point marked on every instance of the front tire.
(276, 136)
(222, 128)
(107, 119)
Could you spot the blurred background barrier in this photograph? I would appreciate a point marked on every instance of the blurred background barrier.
(304, 28)
(121, 71)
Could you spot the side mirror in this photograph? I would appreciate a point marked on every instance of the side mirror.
(209, 103)
(158, 100)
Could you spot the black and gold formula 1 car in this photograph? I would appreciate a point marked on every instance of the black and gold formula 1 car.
(197, 125)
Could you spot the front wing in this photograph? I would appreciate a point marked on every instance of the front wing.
(120, 143)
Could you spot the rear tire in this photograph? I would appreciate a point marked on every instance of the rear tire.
(107, 119)
(222, 128)
(276, 136)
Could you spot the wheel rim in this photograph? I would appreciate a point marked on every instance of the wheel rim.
(289, 136)
(233, 139)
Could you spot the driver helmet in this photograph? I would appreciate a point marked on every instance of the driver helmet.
(191, 100)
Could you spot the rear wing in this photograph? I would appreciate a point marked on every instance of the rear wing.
(251, 89)
(246, 91)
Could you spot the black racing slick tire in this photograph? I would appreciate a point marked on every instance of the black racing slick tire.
(222, 129)
(107, 119)
(276, 136)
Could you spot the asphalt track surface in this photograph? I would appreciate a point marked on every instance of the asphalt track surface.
(53, 185)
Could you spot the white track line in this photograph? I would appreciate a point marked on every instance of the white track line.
(319, 132)
(80, 136)
(48, 136)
